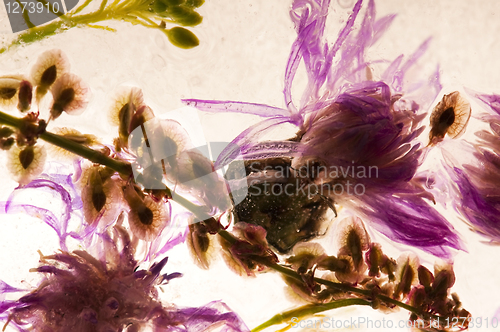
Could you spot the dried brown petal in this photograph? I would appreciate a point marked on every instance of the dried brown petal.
(73, 135)
(101, 196)
(353, 240)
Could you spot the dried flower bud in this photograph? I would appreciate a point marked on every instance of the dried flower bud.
(70, 96)
(245, 254)
(25, 96)
(147, 218)
(50, 66)
(6, 143)
(450, 116)
(26, 163)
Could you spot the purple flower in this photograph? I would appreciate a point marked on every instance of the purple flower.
(352, 120)
(107, 293)
(477, 182)
(100, 286)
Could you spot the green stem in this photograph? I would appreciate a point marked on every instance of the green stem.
(94, 156)
(308, 310)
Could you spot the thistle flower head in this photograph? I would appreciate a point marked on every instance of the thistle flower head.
(108, 292)
(351, 121)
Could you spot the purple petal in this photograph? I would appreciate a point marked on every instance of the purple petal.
(215, 106)
(410, 220)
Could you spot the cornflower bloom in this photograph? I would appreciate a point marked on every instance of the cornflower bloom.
(477, 182)
(356, 139)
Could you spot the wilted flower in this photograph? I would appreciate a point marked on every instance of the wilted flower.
(355, 143)
(100, 287)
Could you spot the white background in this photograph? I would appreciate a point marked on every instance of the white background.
(242, 56)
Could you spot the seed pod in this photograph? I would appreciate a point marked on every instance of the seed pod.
(450, 116)
(101, 196)
(70, 96)
(25, 96)
(147, 218)
(9, 88)
(26, 163)
(49, 67)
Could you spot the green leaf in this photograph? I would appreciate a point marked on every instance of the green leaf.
(182, 38)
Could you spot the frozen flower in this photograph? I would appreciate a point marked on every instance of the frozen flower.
(107, 292)
(99, 287)
(72, 135)
(351, 120)
(25, 96)
(70, 95)
(50, 66)
(477, 182)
